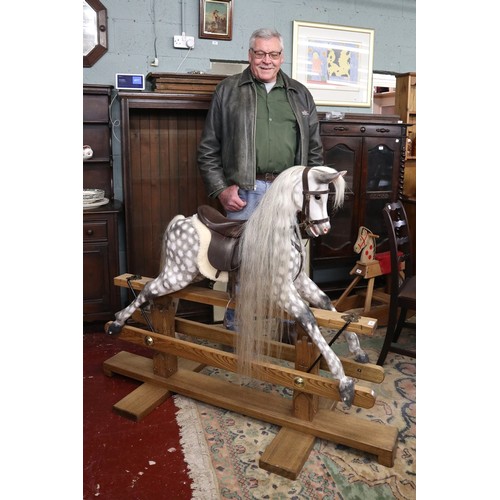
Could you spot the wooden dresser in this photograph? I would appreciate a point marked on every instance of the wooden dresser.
(101, 299)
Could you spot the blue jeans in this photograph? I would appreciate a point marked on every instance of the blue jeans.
(252, 197)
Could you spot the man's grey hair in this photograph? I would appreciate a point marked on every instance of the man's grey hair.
(267, 34)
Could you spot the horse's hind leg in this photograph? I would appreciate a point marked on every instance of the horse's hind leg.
(164, 284)
(181, 246)
(122, 316)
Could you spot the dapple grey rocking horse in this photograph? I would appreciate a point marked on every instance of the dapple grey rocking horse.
(268, 261)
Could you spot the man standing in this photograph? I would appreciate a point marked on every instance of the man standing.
(260, 122)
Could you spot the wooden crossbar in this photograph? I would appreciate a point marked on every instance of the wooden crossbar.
(220, 335)
(277, 375)
(327, 319)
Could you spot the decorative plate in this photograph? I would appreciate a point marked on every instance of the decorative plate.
(95, 203)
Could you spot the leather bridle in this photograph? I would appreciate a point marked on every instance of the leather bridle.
(304, 221)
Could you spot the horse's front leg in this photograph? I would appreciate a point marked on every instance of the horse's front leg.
(310, 292)
(303, 315)
(355, 348)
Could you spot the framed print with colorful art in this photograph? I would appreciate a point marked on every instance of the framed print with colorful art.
(334, 62)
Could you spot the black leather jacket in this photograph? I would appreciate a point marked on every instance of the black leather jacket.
(226, 153)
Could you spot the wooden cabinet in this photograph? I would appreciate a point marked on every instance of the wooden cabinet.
(371, 149)
(160, 136)
(101, 299)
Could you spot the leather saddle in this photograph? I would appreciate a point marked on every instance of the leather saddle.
(223, 249)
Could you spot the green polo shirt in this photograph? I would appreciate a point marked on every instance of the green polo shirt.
(276, 135)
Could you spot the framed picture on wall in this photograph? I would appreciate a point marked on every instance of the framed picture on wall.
(334, 62)
(216, 19)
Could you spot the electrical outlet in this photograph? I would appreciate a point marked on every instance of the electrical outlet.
(183, 42)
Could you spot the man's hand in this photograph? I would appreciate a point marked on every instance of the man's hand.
(230, 200)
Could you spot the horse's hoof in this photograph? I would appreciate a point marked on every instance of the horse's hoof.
(347, 391)
(114, 329)
(362, 358)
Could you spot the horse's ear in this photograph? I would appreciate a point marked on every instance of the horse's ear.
(327, 174)
(338, 174)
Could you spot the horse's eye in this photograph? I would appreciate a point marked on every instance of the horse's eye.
(317, 197)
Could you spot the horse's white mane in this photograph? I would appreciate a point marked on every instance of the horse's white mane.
(266, 263)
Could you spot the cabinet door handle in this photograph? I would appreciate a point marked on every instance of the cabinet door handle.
(90, 232)
(383, 130)
(340, 129)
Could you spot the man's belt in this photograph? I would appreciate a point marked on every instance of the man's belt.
(268, 176)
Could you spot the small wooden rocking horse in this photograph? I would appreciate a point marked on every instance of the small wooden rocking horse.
(369, 266)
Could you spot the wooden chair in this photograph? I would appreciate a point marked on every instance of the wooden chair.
(402, 279)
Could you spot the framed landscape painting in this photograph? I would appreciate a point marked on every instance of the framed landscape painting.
(216, 19)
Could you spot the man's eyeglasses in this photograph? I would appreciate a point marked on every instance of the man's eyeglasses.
(260, 54)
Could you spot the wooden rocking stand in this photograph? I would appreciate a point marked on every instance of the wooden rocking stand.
(368, 271)
(176, 363)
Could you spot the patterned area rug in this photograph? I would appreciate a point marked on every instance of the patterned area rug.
(222, 448)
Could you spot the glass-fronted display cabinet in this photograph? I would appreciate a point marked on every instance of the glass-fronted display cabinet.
(372, 152)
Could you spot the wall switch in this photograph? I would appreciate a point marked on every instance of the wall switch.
(183, 42)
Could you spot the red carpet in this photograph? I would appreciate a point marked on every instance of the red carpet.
(123, 459)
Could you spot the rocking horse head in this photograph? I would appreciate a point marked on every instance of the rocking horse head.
(365, 244)
(313, 204)
(310, 194)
